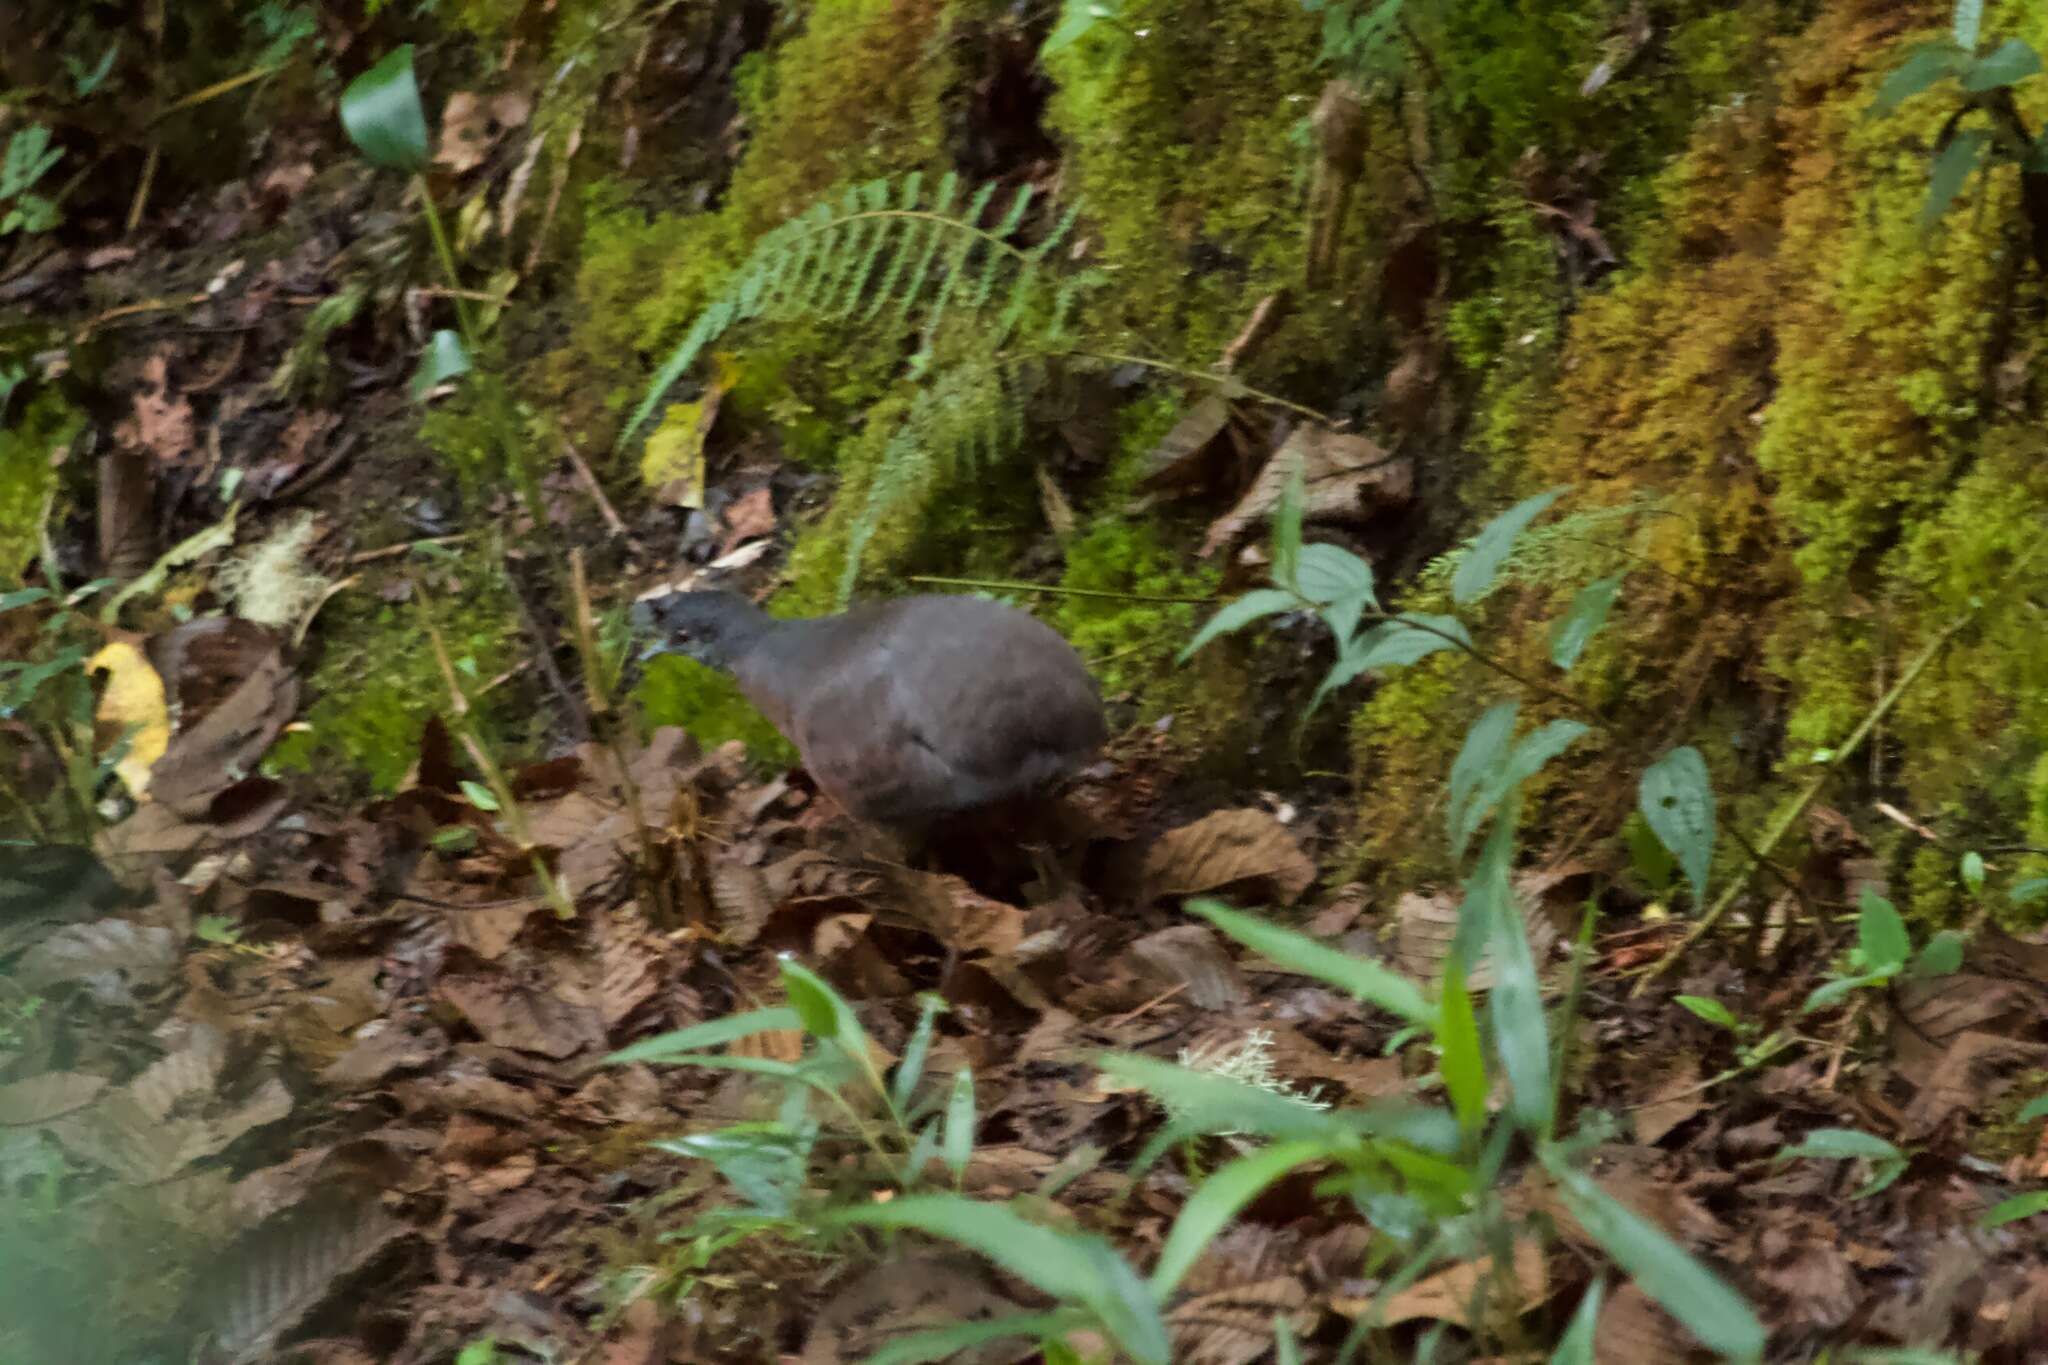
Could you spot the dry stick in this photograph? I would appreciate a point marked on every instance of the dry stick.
(1791, 813)
(596, 491)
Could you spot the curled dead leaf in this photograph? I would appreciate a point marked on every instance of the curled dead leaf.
(1226, 848)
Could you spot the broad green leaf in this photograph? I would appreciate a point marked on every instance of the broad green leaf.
(673, 1046)
(1212, 1102)
(1078, 18)
(1830, 992)
(1328, 573)
(2018, 1207)
(381, 112)
(1287, 530)
(1342, 616)
(1971, 870)
(1217, 1200)
(1576, 1346)
(1077, 1270)
(1484, 751)
(1676, 798)
(1521, 1033)
(1647, 855)
(2037, 1108)
(1582, 621)
(1838, 1143)
(828, 1017)
(1713, 1011)
(1942, 956)
(957, 1144)
(922, 1150)
(21, 598)
(815, 1002)
(2010, 62)
(444, 359)
(1525, 761)
(1888, 1163)
(1239, 614)
(1462, 1064)
(1951, 168)
(1924, 66)
(1697, 1297)
(2028, 891)
(1490, 548)
(1391, 644)
(1881, 934)
(910, 1070)
(479, 795)
(1367, 980)
(763, 1161)
(1969, 18)
(943, 1343)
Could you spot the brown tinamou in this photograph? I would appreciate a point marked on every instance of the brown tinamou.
(905, 712)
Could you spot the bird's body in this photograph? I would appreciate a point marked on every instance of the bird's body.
(909, 711)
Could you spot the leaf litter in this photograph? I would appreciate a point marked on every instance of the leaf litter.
(349, 1076)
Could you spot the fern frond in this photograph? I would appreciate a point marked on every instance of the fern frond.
(891, 245)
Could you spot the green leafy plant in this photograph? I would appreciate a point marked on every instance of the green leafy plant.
(383, 116)
(1987, 127)
(893, 256)
(1884, 951)
(834, 1097)
(1675, 794)
(1362, 40)
(29, 157)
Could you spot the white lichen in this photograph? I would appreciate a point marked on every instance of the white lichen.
(271, 584)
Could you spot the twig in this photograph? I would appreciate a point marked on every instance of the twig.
(387, 551)
(1230, 384)
(604, 505)
(142, 188)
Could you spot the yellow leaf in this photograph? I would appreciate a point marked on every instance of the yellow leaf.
(673, 462)
(134, 699)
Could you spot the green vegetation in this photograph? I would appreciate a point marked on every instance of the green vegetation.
(377, 682)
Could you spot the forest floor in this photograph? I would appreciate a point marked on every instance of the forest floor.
(336, 1068)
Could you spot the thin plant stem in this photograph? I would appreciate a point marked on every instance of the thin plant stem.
(1003, 585)
(447, 255)
(1231, 385)
(1488, 661)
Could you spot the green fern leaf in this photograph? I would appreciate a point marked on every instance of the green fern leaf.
(899, 260)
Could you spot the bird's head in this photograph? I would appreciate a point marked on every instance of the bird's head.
(712, 626)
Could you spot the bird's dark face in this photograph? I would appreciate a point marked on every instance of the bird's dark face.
(710, 627)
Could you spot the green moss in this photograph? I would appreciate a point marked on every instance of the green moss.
(1795, 373)
(35, 430)
(1182, 148)
(379, 681)
(708, 704)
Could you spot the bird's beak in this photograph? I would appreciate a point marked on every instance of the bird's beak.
(641, 617)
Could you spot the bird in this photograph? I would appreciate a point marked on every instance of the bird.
(906, 712)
